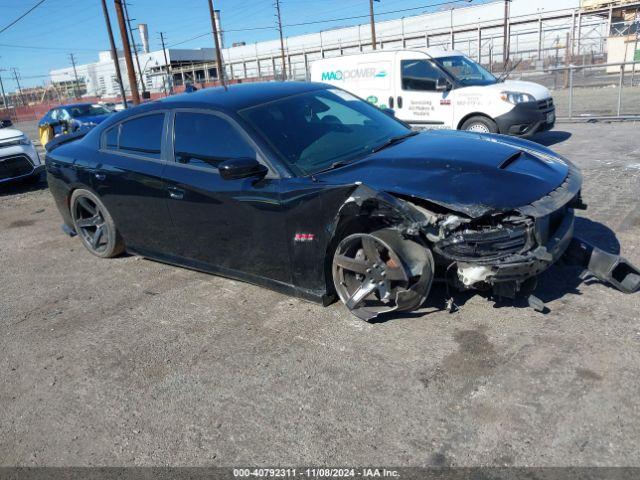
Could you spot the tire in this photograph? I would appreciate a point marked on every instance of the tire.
(380, 272)
(94, 225)
(480, 124)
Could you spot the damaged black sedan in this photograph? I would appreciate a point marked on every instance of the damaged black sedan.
(311, 191)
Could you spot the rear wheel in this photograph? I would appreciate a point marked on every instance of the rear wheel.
(380, 272)
(480, 125)
(94, 225)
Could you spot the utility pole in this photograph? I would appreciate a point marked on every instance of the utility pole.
(15, 75)
(216, 41)
(167, 65)
(507, 34)
(4, 97)
(76, 88)
(373, 25)
(279, 18)
(131, 74)
(114, 53)
(133, 44)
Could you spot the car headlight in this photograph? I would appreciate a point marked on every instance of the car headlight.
(22, 140)
(516, 97)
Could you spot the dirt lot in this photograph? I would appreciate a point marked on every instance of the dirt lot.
(131, 362)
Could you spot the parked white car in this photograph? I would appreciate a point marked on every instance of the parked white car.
(438, 88)
(18, 157)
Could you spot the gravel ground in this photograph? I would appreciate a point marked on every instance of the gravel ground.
(132, 362)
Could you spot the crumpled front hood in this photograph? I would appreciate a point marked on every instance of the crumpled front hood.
(467, 172)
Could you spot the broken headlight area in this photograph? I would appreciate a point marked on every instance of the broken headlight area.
(502, 252)
(489, 240)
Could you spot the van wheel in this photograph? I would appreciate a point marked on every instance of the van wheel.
(94, 225)
(480, 125)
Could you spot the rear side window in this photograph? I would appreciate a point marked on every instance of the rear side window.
(140, 136)
(205, 140)
(111, 137)
(419, 75)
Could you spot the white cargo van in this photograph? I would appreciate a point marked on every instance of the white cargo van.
(437, 88)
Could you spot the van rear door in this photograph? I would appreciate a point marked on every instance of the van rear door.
(417, 100)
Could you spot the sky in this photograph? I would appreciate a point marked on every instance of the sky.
(43, 39)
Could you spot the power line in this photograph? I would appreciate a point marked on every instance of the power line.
(39, 47)
(22, 16)
(328, 20)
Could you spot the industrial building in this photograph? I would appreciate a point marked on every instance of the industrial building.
(99, 79)
(541, 33)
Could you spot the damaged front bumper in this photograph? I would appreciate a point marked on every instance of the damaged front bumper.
(518, 247)
(507, 276)
(512, 271)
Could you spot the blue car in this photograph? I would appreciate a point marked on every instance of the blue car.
(70, 118)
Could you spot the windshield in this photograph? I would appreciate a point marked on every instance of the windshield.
(466, 71)
(87, 110)
(316, 130)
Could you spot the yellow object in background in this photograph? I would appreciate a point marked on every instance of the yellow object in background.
(46, 134)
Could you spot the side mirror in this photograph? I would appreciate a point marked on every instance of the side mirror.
(389, 111)
(442, 84)
(236, 168)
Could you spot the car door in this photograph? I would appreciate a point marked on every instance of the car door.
(127, 175)
(418, 100)
(223, 225)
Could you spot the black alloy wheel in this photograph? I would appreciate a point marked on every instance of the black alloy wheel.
(94, 225)
(376, 273)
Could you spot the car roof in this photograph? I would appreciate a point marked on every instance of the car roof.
(69, 105)
(240, 96)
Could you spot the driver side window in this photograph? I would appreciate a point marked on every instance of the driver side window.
(419, 75)
(206, 140)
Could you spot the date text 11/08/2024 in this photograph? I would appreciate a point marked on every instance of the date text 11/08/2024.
(315, 472)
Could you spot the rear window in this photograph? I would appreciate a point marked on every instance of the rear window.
(140, 136)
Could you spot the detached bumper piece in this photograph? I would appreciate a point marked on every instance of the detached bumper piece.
(606, 267)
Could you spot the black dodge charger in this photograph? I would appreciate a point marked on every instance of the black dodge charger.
(309, 190)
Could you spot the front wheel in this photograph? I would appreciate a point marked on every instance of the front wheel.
(380, 272)
(480, 125)
(94, 225)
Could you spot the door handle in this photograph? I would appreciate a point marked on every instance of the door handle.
(100, 176)
(390, 102)
(399, 102)
(176, 193)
